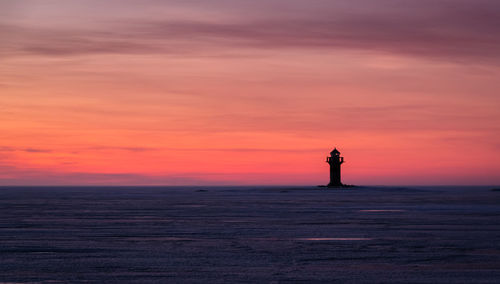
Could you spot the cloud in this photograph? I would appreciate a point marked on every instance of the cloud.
(21, 40)
(28, 150)
(246, 150)
(41, 178)
(11, 175)
(35, 150)
(148, 149)
(461, 31)
(119, 148)
(15, 175)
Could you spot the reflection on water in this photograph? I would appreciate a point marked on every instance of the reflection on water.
(333, 239)
(146, 238)
(382, 210)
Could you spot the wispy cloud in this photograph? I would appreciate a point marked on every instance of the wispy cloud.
(35, 150)
(246, 150)
(120, 148)
(463, 32)
(17, 176)
(28, 150)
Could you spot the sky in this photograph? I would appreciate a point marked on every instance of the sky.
(233, 92)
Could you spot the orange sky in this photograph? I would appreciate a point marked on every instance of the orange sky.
(159, 92)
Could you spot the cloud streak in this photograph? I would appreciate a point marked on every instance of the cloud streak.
(462, 33)
(27, 150)
(13, 176)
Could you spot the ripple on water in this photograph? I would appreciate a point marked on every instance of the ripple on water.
(333, 239)
(382, 210)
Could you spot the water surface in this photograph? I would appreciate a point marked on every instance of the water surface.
(249, 234)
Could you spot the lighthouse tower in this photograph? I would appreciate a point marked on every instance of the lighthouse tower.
(335, 161)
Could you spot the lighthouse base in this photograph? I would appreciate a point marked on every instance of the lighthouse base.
(337, 186)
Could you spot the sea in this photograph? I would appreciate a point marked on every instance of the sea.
(260, 234)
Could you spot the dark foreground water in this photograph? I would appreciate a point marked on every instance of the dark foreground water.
(243, 234)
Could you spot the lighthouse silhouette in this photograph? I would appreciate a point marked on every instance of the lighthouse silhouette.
(335, 161)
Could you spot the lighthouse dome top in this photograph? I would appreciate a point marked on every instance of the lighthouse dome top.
(335, 151)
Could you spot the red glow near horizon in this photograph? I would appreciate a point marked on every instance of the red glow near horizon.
(231, 93)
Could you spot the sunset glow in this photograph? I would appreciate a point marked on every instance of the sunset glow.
(249, 92)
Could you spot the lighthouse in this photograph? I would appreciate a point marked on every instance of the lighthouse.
(335, 161)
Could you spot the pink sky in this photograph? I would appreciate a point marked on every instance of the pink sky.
(249, 92)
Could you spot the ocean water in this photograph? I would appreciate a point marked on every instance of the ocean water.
(249, 234)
